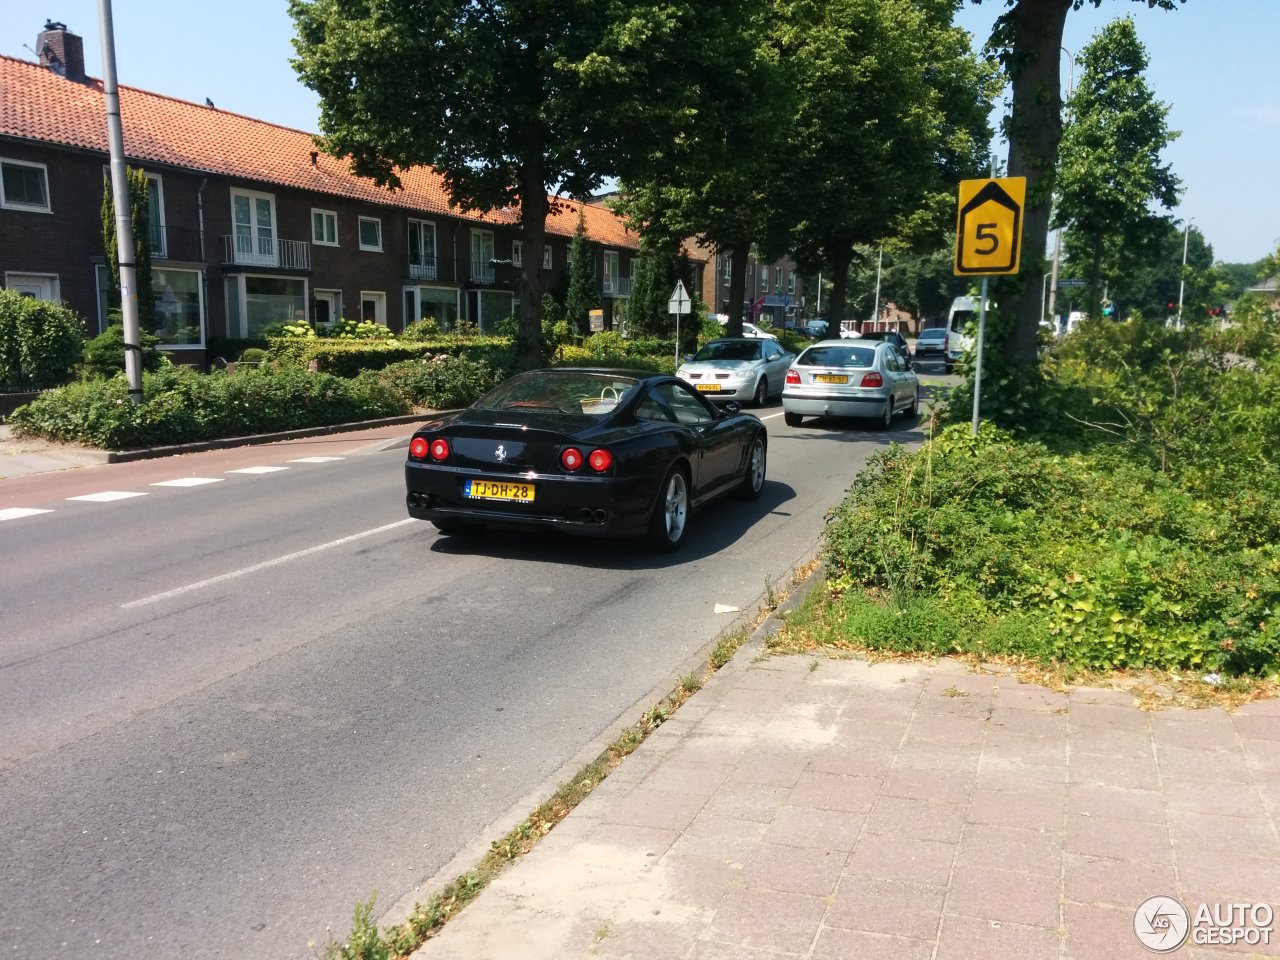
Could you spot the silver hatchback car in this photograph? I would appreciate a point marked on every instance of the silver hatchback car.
(850, 378)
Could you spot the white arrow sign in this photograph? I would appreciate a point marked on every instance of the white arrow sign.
(679, 302)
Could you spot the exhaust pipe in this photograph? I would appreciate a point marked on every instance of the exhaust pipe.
(585, 514)
(600, 516)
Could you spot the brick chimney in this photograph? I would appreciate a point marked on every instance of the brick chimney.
(61, 50)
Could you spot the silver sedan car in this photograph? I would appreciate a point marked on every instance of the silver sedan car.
(850, 378)
(738, 368)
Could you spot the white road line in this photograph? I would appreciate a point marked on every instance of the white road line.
(106, 496)
(17, 513)
(316, 459)
(257, 470)
(187, 482)
(772, 415)
(200, 584)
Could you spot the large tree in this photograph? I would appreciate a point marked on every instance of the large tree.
(1027, 41)
(510, 100)
(1110, 173)
(892, 111)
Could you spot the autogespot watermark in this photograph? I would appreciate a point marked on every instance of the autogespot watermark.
(1163, 924)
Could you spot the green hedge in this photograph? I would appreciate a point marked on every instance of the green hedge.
(347, 358)
(182, 406)
(40, 342)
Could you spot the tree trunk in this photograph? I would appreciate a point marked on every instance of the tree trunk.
(739, 255)
(841, 254)
(533, 283)
(1035, 129)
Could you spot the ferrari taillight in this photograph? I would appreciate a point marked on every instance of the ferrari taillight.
(418, 448)
(439, 449)
(600, 460)
(873, 379)
(571, 458)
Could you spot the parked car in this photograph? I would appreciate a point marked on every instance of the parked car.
(750, 330)
(595, 452)
(738, 369)
(933, 344)
(850, 378)
(816, 329)
(888, 336)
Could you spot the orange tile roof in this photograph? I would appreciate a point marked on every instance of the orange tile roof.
(38, 104)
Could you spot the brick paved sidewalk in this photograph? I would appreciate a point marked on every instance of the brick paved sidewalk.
(834, 809)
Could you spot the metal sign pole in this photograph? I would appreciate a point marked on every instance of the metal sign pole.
(977, 375)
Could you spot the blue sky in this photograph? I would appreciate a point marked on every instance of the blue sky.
(1212, 61)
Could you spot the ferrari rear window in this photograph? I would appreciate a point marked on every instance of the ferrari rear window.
(569, 392)
(837, 356)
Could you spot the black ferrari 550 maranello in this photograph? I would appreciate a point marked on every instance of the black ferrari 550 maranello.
(589, 451)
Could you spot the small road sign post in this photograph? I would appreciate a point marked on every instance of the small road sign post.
(988, 243)
(679, 305)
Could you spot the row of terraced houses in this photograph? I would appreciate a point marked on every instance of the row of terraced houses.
(251, 225)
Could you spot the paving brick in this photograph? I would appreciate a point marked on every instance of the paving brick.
(747, 801)
(901, 859)
(710, 826)
(1189, 763)
(857, 760)
(939, 756)
(943, 729)
(1010, 773)
(717, 950)
(643, 807)
(1259, 708)
(1115, 803)
(836, 944)
(856, 731)
(1103, 837)
(1226, 836)
(1119, 883)
(832, 791)
(1111, 742)
(860, 707)
(1198, 729)
(1229, 879)
(710, 748)
(1031, 809)
(968, 938)
(1094, 932)
(1136, 773)
(1085, 713)
(658, 936)
(882, 906)
(687, 777)
(1013, 694)
(1102, 695)
(1263, 757)
(1047, 751)
(945, 785)
(916, 819)
(764, 919)
(811, 827)
(1030, 723)
(808, 870)
(700, 871)
(1005, 896)
(988, 847)
(779, 770)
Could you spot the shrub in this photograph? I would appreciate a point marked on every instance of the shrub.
(362, 330)
(441, 382)
(40, 342)
(425, 329)
(103, 356)
(182, 406)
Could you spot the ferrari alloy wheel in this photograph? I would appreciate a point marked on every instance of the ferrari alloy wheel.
(753, 480)
(671, 512)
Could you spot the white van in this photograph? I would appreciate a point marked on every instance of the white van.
(962, 326)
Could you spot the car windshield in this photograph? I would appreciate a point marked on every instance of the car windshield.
(728, 350)
(560, 392)
(837, 356)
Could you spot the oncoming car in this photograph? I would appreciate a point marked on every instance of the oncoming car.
(738, 369)
(850, 378)
(595, 452)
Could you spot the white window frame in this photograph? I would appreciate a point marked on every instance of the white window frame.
(161, 250)
(50, 279)
(332, 217)
(360, 235)
(333, 298)
(254, 255)
(764, 277)
(7, 204)
(791, 283)
(727, 266)
(239, 281)
(548, 257)
(425, 271)
(482, 272)
(612, 271)
(379, 300)
(202, 307)
(517, 253)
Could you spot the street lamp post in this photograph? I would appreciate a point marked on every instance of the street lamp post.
(1057, 238)
(1182, 277)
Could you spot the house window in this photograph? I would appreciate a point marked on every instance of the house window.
(493, 306)
(253, 217)
(155, 213)
(546, 257)
(371, 234)
(727, 267)
(517, 253)
(177, 314)
(24, 186)
(42, 286)
(482, 256)
(777, 283)
(422, 250)
(257, 303)
(764, 278)
(791, 282)
(611, 272)
(373, 307)
(324, 228)
(326, 308)
(432, 303)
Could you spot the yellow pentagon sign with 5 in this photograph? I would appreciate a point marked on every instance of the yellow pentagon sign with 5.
(989, 226)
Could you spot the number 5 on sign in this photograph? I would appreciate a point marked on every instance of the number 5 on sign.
(989, 226)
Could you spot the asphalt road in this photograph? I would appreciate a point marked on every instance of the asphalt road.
(231, 709)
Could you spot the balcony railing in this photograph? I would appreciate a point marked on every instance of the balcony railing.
(425, 268)
(616, 286)
(483, 273)
(175, 243)
(266, 252)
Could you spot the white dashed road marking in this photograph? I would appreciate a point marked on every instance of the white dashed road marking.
(155, 597)
(187, 482)
(106, 496)
(16, 513)
(258, 470)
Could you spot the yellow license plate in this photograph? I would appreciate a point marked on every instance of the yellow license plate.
(709, 387)
(498, 490)
(830, 378)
